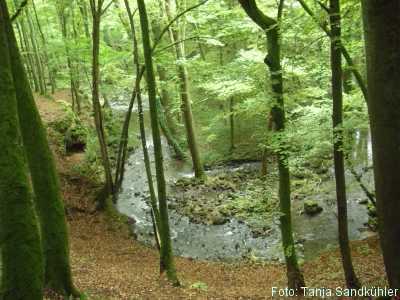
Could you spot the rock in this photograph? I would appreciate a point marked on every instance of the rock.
(372, 210)
(257, 232)
(215, 218)
(312, 208)
(363, 201)
(373, 223)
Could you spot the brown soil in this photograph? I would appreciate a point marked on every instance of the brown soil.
(108, 263)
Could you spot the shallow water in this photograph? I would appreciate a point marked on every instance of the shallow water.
(234, 240)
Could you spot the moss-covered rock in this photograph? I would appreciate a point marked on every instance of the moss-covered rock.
(312, 208)
(372, 210)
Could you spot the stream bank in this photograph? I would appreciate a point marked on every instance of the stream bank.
(217, 220)
(108, 264)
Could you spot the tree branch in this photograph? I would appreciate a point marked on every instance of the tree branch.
(178, 42)
(107, 7)
(165, 29)
(280, 9)
(19, 10)
(343, 49)
(258, 17)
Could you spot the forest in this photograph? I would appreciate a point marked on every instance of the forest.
(199, 149)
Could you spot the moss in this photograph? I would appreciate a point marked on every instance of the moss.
(312, 208)
(115, 219)
(22, 274)
(48, 201)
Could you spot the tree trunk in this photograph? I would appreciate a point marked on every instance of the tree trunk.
(50, 68)
(72, 72)
(21, 252)
(46, 186)
(162, 75)
(38, 58)
(273, 61)
(166, 256)
(137, 93)
(84, 13)
(28, 48)
(338, 157)
(186, 102)
(232, 124)
(98, 116)
(343, 49)
(382, 33)
(172, 142)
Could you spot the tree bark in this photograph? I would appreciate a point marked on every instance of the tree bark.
(273, 61)
(21, 252)
(357, 75)
(338, 157)
(382, 33)
(186, 102)
(155, 213)
(48, 200)
(97, 6)
(166, 256)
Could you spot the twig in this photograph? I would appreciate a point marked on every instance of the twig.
(178, 42)
(107, 7)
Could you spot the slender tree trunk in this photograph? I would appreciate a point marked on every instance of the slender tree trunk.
(98, 116)
(295, 277)
(338, 157)
(31, 73)
(273, 61)
(166, 255)
(162, 75)
(232, 123)
(21, 253)
(359, 79)
(137, 93)
(50, 68)
(186, 102)
(122, 151)
(179, 154)
(64, 31)
(38, 58)
(28, 48)
(382, 33)
(85, 16)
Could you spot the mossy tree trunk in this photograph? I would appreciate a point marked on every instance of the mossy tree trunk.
(338, 156)
(166, 256)
(46, 186)
(382, 33)
(273, 61)
(21, 253)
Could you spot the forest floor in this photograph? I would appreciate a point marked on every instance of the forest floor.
(108, 263)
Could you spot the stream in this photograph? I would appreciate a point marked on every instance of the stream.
(234, 240)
